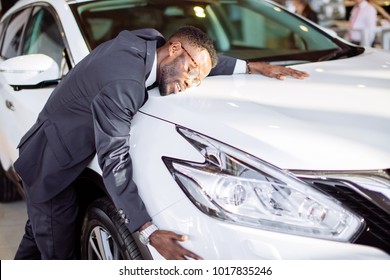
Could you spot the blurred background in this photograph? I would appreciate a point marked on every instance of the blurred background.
(335, 15)
(332, 14)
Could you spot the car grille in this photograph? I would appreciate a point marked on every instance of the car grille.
(377, 218)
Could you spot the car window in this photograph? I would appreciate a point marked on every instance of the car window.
(43, 36)
(243, 29)
(13, 35)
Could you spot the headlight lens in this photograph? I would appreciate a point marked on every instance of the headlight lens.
(239, 188)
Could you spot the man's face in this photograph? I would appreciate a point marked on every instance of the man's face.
(184, 68)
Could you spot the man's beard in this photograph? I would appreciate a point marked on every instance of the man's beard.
(167, 74)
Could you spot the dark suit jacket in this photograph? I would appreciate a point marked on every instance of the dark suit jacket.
(90, 112)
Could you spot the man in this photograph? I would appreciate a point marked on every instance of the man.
(90, 112)
(362, 23)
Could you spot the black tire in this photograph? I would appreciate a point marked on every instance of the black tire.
(102, 225)
(8, 190)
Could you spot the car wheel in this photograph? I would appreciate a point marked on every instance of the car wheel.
(104, 235)
(8, 190)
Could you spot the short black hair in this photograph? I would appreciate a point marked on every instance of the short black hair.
(197, 38)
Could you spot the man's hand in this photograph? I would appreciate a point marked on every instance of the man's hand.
(274, 71)
(166, 243)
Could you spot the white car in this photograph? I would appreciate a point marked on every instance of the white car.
(248, 166)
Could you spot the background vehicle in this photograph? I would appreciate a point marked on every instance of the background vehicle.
(249, 167)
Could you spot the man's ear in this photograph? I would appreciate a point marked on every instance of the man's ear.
(174, 48)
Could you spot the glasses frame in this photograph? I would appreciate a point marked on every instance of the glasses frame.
(194, 75)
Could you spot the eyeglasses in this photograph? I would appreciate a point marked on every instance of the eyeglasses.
(194, 72)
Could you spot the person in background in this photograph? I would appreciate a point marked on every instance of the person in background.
(303, 8)
(362, 23)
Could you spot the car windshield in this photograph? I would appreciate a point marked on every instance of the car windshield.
(247, 29)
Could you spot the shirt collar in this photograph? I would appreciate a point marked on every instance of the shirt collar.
(153, 73)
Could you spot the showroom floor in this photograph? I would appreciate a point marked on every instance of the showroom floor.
(12, 220)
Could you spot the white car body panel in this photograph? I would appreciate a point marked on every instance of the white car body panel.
(329, 121)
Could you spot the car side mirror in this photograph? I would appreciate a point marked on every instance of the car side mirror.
(30, 71)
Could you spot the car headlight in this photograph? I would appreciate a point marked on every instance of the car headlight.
(236, 187)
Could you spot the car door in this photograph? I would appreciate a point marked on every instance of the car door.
(30, 31)
(12, 33)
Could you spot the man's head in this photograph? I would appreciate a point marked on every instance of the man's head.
(185, 60)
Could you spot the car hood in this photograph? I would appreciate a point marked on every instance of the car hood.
(337, 119)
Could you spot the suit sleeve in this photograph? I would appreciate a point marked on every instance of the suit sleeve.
(113, 109)
(225, 66)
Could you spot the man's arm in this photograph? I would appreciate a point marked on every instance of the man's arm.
(113, 109)
(225, 66)
(274, 71)
(228, 65)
